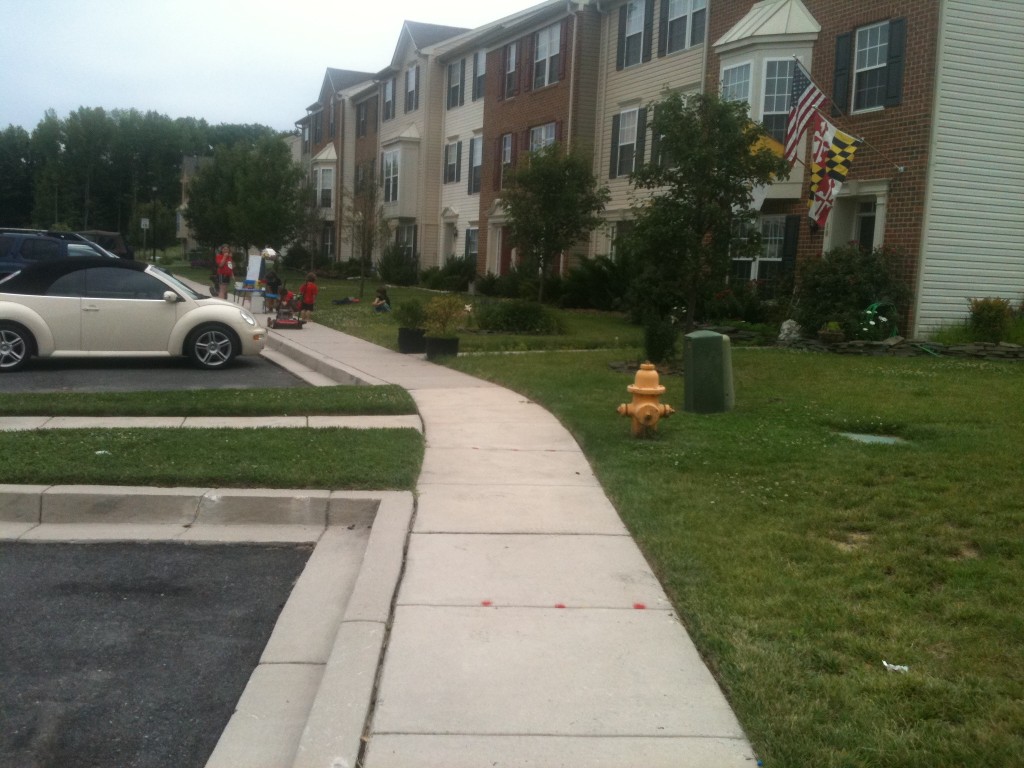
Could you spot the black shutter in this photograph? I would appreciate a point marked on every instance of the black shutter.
(620, 55)
(663, 29)
(558, 131)
(444, 167)
(648, 29)
(501, 73)
(655, 141)
(841, 80)
(528, 47)
(641, 137)
(416, 97)
(496, 180)
(613, 167)
(563, 48)
(462, 82)
(475, 75)
(458, 161)
(790, 238)
(469, 186)
(894, 65)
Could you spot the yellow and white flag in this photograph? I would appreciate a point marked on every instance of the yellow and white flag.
(831, 154)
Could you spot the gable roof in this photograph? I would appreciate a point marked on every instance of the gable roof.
(418, 35)
(340, 79)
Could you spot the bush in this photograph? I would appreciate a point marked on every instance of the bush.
(598, 283)
(410, 314)
(740, 300)
(990, 319)
(516, 316)
(398, 267)
(301, 259)
(443, 316)
(841, 285)
(660, 337)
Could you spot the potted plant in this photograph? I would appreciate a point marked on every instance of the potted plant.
(411, 318)
(443, 315)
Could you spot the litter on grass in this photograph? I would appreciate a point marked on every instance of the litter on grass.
(895, 667)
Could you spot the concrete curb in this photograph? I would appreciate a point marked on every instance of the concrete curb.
(304, 358)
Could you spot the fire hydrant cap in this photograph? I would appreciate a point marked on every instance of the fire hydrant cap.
(646, 381)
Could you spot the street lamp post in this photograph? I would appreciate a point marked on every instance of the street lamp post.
(152, 201)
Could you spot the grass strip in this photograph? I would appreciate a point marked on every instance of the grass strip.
(335, 459)
(305, 401)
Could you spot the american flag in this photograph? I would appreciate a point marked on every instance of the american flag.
(804, 98)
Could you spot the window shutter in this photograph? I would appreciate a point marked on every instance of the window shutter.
(476, 74)
(496, 176)
(620, 54)
(655, 141)
(648, 29)
(790, 238)
(563, 46)
(444, 165)
(528, 47)
(502, 72)
(526, 140)
(894, 65)
(415, 232)
(458, 162)
(663, 29)
(469, 186)
(416, 96)
(462, 82)
(841, 80)
(558, 131)
(613, 167)
(641, 137)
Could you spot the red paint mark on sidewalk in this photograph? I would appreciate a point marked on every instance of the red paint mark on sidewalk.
(640, 606)
(559, 605)
(486, 603)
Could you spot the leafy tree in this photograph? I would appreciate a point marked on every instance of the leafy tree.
(552, 202)
(248, 196)
(16, 172)
(366, 227)
(695, 200)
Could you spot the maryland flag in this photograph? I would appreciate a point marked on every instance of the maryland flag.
(831, 154)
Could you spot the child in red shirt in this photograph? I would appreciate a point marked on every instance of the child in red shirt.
(307, 294)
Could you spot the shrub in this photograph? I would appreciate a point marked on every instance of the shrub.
(410, 314)
(660, 337)
(598, 283)
(443, 315)
(397, 266)
(516, 316)
(990, 319)
(841, 285)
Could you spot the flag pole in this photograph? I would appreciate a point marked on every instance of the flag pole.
(893, 163)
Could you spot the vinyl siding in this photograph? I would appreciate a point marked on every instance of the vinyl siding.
(459, 125)
(973, 245)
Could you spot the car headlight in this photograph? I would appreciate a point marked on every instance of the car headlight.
(247, 317)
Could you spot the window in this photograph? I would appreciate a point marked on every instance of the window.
(362, 119)
(405, 238)
(682, 24)
(542, 136)
(511, 61)
(778, 75)
(452, 162)
(456, 76)
(388, 107)
(627, 147)
(864, 224)
(389, 173)
(327, 241)
(326, 187)
(412, 89)
(736, 83)
(38, 249)
(476, 158)
(505, 158)
(472, 243)
(634, 33)
(872, 58)
(778, 245)
(546, 56)
(479, 74)
(869, 66)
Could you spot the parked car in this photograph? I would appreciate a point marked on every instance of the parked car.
(21, 247)
(110, 241)
(100, 306)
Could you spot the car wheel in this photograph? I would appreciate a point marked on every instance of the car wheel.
(16, 347)
(211, 346)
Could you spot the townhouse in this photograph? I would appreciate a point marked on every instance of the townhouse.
(932, 86)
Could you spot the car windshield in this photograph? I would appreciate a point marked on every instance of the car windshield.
(178, 284)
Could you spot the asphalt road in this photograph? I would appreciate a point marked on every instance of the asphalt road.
(131, 655)
(143, 374)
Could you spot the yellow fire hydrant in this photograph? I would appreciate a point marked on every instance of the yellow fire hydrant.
(645, 408)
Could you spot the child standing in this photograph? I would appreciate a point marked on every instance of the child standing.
(307, 294)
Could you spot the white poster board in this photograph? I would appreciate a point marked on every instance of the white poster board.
(253, 269)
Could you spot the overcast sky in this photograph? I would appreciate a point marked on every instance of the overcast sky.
(228, 61)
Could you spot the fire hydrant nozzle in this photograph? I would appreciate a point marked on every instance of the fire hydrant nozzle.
(645, 408)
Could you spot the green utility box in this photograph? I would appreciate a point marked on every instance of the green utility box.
(707, 360)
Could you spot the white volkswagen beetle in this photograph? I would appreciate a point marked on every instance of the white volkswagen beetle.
(98, 307)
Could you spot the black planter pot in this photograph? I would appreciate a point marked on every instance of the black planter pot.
(411, 341)
(438, 347)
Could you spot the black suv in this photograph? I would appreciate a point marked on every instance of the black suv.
(21, 247)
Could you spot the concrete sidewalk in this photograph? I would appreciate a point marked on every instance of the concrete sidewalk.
(528, 629)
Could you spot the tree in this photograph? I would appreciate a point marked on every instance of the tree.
(366, 226)
(696, 215)
(552, 202)
(16, 172)
(248, 196)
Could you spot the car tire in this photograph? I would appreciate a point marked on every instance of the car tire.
(16, 347)
(211, 346)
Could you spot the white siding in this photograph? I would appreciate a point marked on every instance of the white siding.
(461, 124)
(973, 244)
